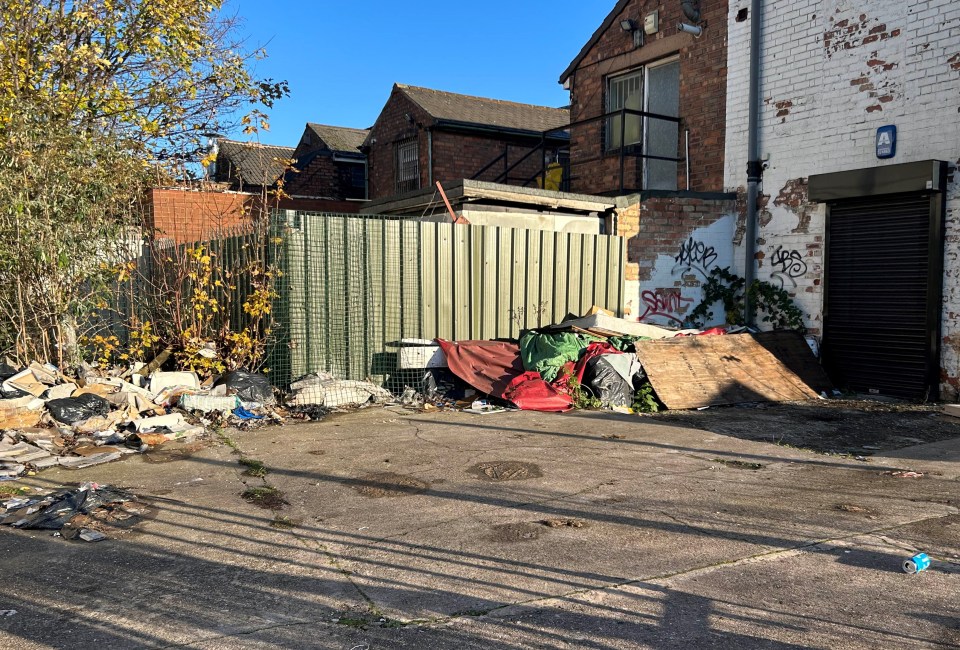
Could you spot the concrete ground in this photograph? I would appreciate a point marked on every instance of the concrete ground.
(516, 530)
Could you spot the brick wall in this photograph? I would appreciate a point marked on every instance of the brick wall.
(834, 71)
(191, 215)
(672, 245)
(319, 177)
(186, 215)
(702, 96)
(391, 127)
(456, 155)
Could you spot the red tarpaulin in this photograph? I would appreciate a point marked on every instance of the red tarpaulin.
(495, 368)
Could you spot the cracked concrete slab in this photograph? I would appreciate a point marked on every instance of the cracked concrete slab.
(677, 543)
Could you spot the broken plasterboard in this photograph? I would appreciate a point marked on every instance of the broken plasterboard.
(695, 371)
(605, 325)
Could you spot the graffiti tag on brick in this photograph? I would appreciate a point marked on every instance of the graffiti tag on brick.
(695, 256)
(666, 303)
(788, 266)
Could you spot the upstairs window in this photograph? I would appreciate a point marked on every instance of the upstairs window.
(624, 91)
(353, 180)
(655, 88)
(407, 166)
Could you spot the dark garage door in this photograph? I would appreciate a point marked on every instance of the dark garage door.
(878, 316)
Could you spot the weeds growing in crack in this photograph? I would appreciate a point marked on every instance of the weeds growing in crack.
(255, 468)
(265, 496)
(225, 439)
(281, 522)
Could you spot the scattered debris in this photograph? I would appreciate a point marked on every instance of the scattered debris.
(904, 474)
(324, 390)
(48, 419)
(86, 511)
(560, 523)
(509, 470)
(480, 407)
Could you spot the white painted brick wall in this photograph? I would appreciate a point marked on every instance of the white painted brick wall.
(832, 121)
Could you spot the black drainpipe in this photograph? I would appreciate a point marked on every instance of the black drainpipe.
(754, 164)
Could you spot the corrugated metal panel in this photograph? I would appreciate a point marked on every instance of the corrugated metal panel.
(877, 316)
(355, 285)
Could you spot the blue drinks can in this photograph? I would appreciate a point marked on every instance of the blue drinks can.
(917, 563)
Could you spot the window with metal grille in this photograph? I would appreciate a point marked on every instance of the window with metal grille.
(654, 88)
(407, 166)
(624, 91)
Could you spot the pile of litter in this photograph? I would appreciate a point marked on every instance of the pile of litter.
(48, 419)
(87, 513)
(601, 361)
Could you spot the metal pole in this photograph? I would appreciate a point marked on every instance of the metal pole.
(754, 165)
(686, 157)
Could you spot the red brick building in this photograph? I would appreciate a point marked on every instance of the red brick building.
(328, 163)
(326, 172)
(424, 135)
(638, 65)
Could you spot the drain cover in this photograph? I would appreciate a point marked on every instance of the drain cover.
(505, 470)
(388, 484)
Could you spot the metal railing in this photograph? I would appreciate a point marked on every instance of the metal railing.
(569, 163)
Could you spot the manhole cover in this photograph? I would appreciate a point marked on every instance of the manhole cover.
(521, 532)
(505, 470)
(388, 484)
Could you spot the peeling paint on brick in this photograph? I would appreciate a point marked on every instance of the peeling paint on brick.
(764, 216)
(793, 197)
(850, 33)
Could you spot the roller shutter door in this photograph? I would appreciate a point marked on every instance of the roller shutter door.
(877, 317)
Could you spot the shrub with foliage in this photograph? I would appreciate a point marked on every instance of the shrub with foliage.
(773, 304)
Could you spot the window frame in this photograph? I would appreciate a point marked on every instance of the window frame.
(611, 125)
(407, 170)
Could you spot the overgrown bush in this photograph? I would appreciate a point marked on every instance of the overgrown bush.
(773, 305)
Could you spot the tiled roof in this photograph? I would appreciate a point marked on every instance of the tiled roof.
(444, 106)
(250, 162)
(340, 138)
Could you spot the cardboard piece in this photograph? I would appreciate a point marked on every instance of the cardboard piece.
(696, 371)
(19, 417)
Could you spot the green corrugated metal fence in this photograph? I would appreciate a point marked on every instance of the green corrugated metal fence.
(353, 286)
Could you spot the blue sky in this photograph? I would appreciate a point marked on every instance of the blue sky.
(341, 57)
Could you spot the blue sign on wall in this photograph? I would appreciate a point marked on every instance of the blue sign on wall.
(887, 141)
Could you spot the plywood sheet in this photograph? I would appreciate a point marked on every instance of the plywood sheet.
(791, 348)
(695, 371)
